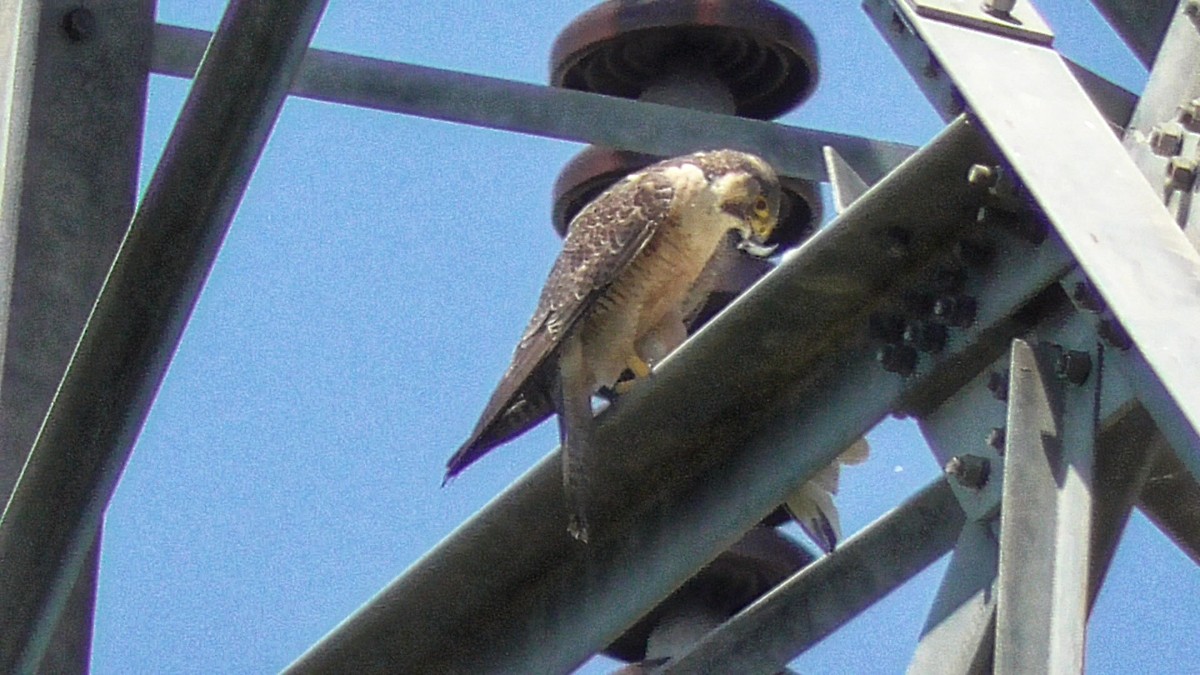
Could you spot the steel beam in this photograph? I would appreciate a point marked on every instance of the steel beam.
(1045, 514)
(1171, 499)
(959, 634)
(762, 378)
(73, 91)
(822, 597)
(546, 111)
(1140, 23)
(1149, 274)
(1177, 517)
(54, 512)
(1170, 495)
(1161, 134)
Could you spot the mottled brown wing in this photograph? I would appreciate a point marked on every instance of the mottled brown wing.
(603, 239)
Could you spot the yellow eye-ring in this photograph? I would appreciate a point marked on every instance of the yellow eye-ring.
(761, 208)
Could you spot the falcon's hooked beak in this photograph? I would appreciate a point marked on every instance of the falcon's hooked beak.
(761, 221)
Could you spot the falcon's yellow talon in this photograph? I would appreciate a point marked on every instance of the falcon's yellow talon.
(639, 368)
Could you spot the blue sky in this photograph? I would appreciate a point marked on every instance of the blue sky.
(365, 303)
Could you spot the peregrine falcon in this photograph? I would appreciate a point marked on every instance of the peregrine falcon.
(619, 295)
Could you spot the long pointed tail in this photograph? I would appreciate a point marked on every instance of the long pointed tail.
(573, 401)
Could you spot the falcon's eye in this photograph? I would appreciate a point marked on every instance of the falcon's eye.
(761, 208)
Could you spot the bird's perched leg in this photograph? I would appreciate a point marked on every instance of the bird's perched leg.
(639, 368)
(573, 400)
(664, 338)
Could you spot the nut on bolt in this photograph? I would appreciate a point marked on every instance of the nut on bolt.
(1181, 173)
(1074, 366)
(955, 310)
(1167, 139)
(971, 471)
(1189, 114)
(996, 438)
(1192, 9)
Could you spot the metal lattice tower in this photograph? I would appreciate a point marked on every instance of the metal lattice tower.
(1020, 304)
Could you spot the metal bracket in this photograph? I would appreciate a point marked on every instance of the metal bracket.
(847, 185)
(1046, 515)
(1053, 136)
(1022, 21)
(961, 433)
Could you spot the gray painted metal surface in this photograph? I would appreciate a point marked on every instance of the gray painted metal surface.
(55, 510)
(1171, 497)
(958, 635)
(1113, 101)
(1141, 23)
(966, 425)
(1180, 519)
(844, 182)
(1163, 137)
(822, 597)
(1149, 275)
(1127, 442)
(675, 496)
(546, 111)
(1016, 19)
(1045, 516)
(72, 109)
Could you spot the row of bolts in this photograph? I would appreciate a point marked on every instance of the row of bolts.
(943, 306)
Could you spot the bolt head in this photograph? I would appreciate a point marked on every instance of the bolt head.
(996, 438)
(982, 175)
(955, 310)
(1189, 115)
(79, 24)
(1074, 366)
(971, 471)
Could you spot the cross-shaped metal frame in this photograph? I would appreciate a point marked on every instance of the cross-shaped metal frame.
(1077, 303)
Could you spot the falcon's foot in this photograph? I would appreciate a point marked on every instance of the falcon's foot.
(640, 370)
